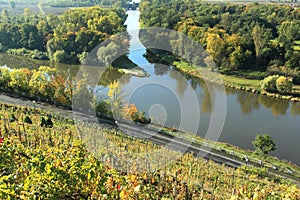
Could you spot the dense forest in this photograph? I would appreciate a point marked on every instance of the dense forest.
(240, 38)
(106, 3)
(70, 3)
(65, 38)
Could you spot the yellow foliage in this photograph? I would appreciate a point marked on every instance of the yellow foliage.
(114, 90)
(214, 45)
(124, 194)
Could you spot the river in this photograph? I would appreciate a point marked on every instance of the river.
(163, 94)
(173, 100)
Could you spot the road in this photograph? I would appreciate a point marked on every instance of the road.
(149, 134)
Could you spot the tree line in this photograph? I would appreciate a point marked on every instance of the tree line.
(66, 38)
(82, 3)
(69, 3)
(254, 37)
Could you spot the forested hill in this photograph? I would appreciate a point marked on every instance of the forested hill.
(262, 38)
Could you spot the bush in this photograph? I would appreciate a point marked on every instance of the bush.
(284, 85)
(83, 57)
(34, 54)
(27, 120)
(4, 75)
(39, 55)
(60, 56)
(269, 83)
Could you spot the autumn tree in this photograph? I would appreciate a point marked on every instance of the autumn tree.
(115, 97)
(215, 47)
(41, 81)
(269, 83)
(4, 76)
(19, 79)
(284, 85)
(129, 111)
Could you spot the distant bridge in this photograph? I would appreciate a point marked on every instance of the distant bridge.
(132, 6)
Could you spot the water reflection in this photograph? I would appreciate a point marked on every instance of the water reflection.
(206, 97)
(160, 69)
(278, 107)
(295, 109)
(181, 82)
(248, 101)
(109, 76)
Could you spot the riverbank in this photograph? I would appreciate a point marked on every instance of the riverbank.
(230, 81)
(267, 164)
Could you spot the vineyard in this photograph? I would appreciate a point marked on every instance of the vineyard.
(43, 156)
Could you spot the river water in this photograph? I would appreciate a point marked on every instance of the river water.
(174, 100)
(168, 96)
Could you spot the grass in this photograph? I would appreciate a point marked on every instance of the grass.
(243, 82)
(184, 66)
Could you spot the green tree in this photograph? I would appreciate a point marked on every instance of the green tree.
(289, 33)
(263, 144)
(108, 54)
(261, 37)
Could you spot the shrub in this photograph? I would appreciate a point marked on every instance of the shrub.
(83, 57)
(49, 123)
(34, 54)
(27, 120)
(4, 75)
(284, 85)
(12, 118)
(39, 55)
(269, 83)
(60, 56)
(43, 122)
